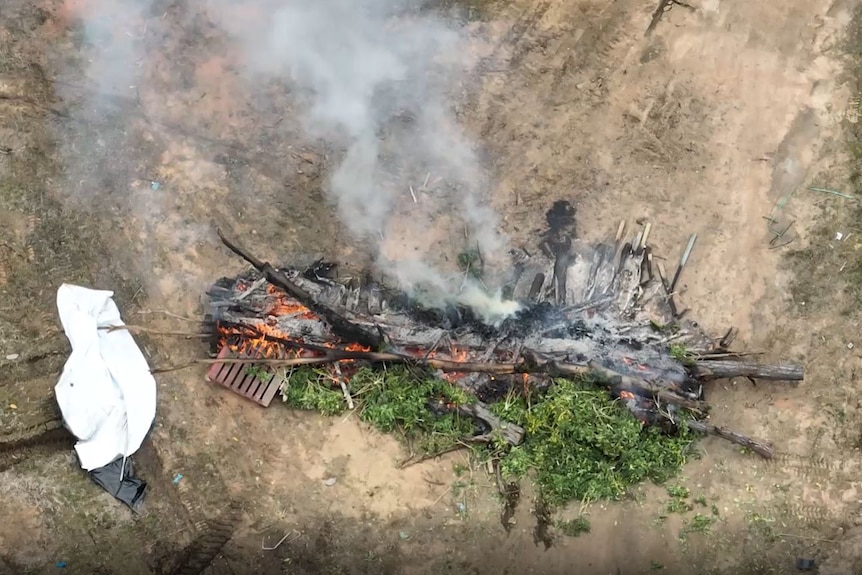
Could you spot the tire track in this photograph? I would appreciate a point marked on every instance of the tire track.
(817, 468)
(213, 536)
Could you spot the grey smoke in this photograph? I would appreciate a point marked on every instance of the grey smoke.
(379, 78)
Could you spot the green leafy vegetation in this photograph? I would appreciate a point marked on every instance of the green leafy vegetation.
(678, 499)
(678, 491)
(682, 355)
(583, 446)
(580, 444)
(698, 524)
(575, 527)
(394, 400)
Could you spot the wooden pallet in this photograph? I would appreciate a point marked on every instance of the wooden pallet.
(260, 386)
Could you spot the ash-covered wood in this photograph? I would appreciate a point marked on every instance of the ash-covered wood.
(585, 309)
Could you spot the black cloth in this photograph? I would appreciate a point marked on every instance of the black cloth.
(130, 489)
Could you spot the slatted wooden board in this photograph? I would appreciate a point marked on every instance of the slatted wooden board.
(259, 385)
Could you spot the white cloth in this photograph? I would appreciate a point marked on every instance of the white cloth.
(106, 393)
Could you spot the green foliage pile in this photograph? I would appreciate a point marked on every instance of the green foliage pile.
(580, 444)
(584, 446)
(393, 400)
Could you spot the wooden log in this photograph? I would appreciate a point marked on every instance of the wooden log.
(339, 324)
(536, 287)
(683, 261)
(716, 369)
(529, 362)
(760, 446)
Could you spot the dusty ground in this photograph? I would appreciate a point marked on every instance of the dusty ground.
(720, 118)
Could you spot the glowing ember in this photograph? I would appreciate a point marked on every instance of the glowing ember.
(284, 305)
(265, 339)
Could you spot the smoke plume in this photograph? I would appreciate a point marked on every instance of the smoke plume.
(379, 77)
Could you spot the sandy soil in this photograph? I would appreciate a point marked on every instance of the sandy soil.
(704, 126)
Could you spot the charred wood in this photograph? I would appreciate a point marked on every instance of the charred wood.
(536, 286)
(618, 382)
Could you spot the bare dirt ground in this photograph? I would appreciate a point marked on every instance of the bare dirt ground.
(720, 118)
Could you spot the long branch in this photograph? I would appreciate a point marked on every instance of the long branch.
(533, 363)
(760, 446)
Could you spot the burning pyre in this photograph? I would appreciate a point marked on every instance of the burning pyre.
(583, 309)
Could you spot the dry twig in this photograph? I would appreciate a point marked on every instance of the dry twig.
(142, 329)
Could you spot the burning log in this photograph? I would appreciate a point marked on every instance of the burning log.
(619, 382)
(529, 363)
(340, 325)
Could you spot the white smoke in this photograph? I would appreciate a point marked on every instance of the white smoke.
(378, 77)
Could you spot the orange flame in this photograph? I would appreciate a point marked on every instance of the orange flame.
(260, 339)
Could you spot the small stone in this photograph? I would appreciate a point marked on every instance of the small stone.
(12, 356)
(13, 406)
(330, 482)
(403, 535)
(850, 345)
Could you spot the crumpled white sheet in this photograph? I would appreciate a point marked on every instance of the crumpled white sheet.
(106, 393)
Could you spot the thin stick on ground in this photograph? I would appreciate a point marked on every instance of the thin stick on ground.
(442, 495)
(410, 461)
(343, 385)
(167, 313)
(142, 329)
